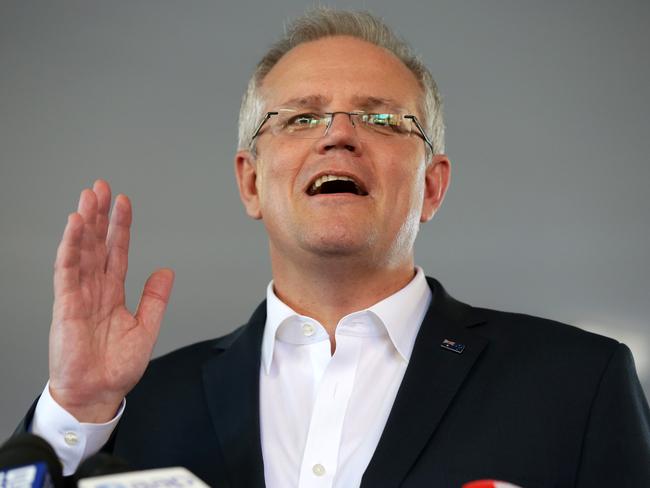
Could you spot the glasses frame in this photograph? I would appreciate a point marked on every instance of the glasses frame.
(331, 115)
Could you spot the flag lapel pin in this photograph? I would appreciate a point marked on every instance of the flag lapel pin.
(452, 346)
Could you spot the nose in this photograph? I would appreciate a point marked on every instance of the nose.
(341, 134)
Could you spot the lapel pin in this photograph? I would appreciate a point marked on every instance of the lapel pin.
(453, 346)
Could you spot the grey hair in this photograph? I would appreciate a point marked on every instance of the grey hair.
(323, 22)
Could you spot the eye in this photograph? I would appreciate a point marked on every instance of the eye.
(385, 123)
(382, 120)
(303, 121)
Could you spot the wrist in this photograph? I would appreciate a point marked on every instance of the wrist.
(92, 411)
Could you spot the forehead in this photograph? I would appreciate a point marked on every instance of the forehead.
(341, 73)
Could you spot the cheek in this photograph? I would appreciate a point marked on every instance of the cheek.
(406, 183)
(276, 182)
(259, 178)
(282, 168)
(408, 197)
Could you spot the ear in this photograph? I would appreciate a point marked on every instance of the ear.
(436, 181)
(247, 182)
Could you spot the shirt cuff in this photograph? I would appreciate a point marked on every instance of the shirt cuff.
(73, 441)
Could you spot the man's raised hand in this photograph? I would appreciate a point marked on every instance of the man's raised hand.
(98, 349)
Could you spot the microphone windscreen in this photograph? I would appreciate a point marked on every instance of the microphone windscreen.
(29, 449)
(101, 464)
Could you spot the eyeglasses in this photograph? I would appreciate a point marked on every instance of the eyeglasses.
(311, 125)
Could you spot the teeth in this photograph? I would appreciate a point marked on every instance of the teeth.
(317, 184)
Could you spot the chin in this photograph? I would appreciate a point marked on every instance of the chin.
(340, 244)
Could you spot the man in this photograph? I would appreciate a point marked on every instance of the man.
(356, 371)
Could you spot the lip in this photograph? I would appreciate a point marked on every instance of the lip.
(348, 174)
(336, 201)
(336, 196)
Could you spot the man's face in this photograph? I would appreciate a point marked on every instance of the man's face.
(400, 188)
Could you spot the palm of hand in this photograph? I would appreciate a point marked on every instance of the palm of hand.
(98, 348)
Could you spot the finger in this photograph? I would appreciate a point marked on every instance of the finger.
(68, 256)
(119, 235)
(88, 211)
(154, 300)
(103, 192)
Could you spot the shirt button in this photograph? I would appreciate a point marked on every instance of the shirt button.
(318, 469)
(308, 330)
(71, 438)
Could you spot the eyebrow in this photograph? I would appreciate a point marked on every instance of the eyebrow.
(363, 102)
(307, 101)
(366, 103)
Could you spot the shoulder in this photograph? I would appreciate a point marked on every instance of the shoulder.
(518, 331)
(182, 369)
(547, 352)
(194, 355)
(518, 342)
(523, 329)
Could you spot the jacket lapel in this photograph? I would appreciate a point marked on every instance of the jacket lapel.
(431, 381)
(231, 382)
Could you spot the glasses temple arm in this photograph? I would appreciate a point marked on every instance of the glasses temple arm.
(267, 116)
(422, 133)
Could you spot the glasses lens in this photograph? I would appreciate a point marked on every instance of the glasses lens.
(300, 124)
(312, 125)
(388, 124)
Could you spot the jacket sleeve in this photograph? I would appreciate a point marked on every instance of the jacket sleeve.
(616, 444)
(26, 422)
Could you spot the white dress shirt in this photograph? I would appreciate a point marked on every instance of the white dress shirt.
(321, 415)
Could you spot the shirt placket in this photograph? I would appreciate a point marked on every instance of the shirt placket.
(321, 454)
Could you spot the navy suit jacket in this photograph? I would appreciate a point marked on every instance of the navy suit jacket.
(528, 400)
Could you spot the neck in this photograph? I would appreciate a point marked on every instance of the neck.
(329, 290)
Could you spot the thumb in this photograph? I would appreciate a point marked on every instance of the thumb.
(155, 297)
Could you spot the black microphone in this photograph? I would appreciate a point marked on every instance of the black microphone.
(101, 464)
(29, 461)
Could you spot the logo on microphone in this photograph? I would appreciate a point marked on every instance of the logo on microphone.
(25, 476)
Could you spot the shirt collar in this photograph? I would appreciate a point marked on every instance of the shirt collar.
(401, 314)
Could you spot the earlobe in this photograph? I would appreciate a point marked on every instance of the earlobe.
(436, 182)
(246, 168)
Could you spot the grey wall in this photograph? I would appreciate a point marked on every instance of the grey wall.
(548, 127)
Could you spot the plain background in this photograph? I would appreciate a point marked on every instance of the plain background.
(548, 129)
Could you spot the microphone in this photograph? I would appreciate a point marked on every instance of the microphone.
(104, 470)
(489, 484)
(150, 478)
(100, 464)
(29, 461)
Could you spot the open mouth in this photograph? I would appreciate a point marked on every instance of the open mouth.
(328, 184)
